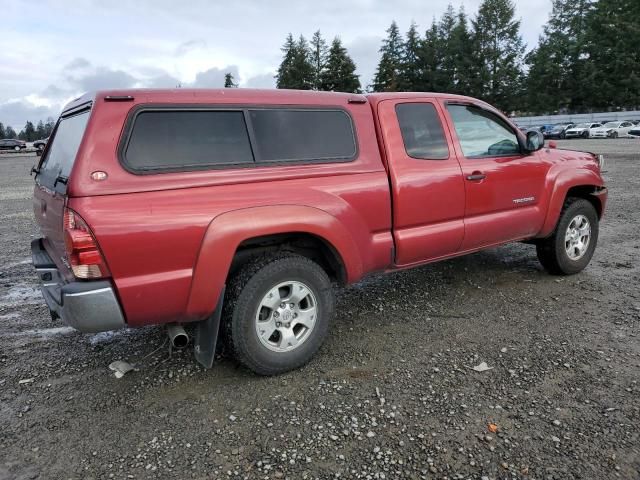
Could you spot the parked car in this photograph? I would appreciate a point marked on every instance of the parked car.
(239, 209)
(40, 144)
(558, 131)
(12, 144)
(582, 130)
(634, 131)
(612, 130)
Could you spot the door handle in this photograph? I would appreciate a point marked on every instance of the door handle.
(476, 176)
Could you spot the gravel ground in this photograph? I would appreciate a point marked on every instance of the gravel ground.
(391, 395)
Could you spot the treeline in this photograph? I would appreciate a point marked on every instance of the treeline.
(30, 132)
(587, 58)
(315, 65)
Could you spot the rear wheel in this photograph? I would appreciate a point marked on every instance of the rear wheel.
(570, 248)
(17, 148)
(277, 312)
(585, 134)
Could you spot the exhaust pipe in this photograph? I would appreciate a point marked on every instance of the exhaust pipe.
(177, 336)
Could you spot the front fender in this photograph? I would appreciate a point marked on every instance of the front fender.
(564, 181)
(228, 230)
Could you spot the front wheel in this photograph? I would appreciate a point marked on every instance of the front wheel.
(277, 312)
(614, 134)
(17, 148)
(570, 248)
(585, 134)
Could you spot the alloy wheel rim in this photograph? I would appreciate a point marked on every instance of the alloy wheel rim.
(286, 316)
(577, 237)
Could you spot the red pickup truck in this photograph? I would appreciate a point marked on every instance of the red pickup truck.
(237, 210)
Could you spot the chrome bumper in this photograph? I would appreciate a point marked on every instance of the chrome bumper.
(87, 306)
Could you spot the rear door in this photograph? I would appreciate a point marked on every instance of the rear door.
(53, 171)
(504, 186)
(426, 181)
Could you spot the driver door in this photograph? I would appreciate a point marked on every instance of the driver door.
(503, 185)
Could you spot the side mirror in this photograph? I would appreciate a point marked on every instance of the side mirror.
(535, 140)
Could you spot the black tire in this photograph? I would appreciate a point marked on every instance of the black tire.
(244, 294)
(585, 134)
(552, 252)
(614, 134)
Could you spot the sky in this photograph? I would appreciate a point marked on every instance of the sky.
(54, 50)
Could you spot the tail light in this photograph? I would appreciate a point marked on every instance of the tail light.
(82, 250)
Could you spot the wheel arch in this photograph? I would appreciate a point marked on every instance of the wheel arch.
(585, 184)
(236, 236)
(307, 244)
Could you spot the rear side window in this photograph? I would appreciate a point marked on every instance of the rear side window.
(422, 132)
(284, 135)
(175, 139)
(165, 140)
(63, 149)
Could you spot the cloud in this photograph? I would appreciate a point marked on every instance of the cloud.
(186, 47)
(77, 63)
(104, 77)
(16, 114)
(265, 80)
(164, 80)
(364, 52)
(214, 77)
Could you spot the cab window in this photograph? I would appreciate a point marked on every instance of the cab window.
(482, 133)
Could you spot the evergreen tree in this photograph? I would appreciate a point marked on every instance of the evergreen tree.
(387, 74)
(40, 133)
(611, 70)
(2, 131)
(429, 60)
(338, 74)
(556, 65)
(28, 133)
(286, 76)
(411, 73)
(462, 48)
(499, 55)
(302, 66)
(48, 127)
(229, 81)
(448, 51)
(318, 48)
(9, 132)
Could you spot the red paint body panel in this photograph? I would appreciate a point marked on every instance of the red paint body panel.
(169, 239)
(428, 195)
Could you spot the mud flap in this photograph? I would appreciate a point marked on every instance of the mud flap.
(207, 335)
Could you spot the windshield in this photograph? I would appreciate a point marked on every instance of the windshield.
(583, 125)
(62, 152)
(611, 125)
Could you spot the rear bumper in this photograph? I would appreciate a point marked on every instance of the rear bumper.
(87, 306)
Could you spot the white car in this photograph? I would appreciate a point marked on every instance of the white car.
(612, 129)
(581, 130)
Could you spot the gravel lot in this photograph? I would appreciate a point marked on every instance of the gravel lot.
(391, 394)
